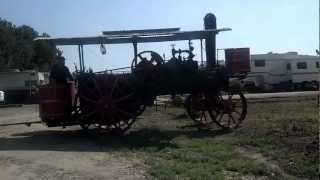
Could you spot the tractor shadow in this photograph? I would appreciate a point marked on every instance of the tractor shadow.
(91, 141)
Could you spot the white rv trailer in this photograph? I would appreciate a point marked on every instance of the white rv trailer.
(271, 69)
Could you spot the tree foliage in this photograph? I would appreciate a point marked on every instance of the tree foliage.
(19, 51)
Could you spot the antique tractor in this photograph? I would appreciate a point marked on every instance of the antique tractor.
(113, 101)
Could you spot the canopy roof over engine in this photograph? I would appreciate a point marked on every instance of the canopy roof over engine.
(135, 36)
(147, 35)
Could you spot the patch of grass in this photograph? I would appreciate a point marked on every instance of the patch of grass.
(247, 166)
(174, 152)
(201, 159)
(283, 131)
(298, 164)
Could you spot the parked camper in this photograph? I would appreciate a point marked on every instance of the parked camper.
(286, 71)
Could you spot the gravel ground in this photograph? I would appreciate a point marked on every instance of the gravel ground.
(38, 152)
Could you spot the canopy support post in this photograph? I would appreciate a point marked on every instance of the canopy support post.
(135, 49)
(81, 58)
(201, 52)
(83, 67)
(80, 62)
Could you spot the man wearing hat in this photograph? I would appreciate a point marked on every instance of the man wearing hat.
(61, 76)
(59, 73)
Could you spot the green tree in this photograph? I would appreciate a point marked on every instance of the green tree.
(7, 43)
(44, 54)
(24, 50)
(19, 50)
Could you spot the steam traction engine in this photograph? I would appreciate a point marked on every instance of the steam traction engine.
(113, 101)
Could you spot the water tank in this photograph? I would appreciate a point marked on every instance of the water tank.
(237, 60)
(55, 102)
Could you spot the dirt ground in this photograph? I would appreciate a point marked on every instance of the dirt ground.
(278, 140)
(38, 152)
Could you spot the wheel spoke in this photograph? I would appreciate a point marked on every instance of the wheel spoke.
(139, 55)
(97, 86)
(233, 120)
(229, 120)
(113, 87)
(204, 116)
(237, 112)
(123, 98)
(88, 99)
(117, 125)
(112, 118)
(220, 118)
(89, 114)
(89, 91)
(201, 115)
(124, 112)
(102, 115)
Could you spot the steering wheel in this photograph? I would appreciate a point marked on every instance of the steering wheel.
(149, 57)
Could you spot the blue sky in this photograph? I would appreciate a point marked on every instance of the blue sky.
(264, 26)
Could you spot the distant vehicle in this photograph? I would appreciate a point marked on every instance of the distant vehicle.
(2, 97)
(274, 71)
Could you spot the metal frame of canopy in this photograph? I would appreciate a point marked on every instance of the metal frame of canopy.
(147, 36)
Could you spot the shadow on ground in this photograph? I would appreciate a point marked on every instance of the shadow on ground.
(91, 141)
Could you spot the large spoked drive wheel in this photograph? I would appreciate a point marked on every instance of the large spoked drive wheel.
(109, 102)
(230, 111)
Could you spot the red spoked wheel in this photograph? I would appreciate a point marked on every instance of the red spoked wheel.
(199, 107)
(109, 102)
(227, 110)
(231, 110)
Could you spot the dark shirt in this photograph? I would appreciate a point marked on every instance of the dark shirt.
(60, 74)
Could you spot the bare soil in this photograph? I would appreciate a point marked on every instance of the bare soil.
(39, 152)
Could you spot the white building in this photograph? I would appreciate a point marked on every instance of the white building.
(21, 80)
(271, 69)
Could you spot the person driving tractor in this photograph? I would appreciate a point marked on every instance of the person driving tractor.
(59, 73)
(61, 76)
